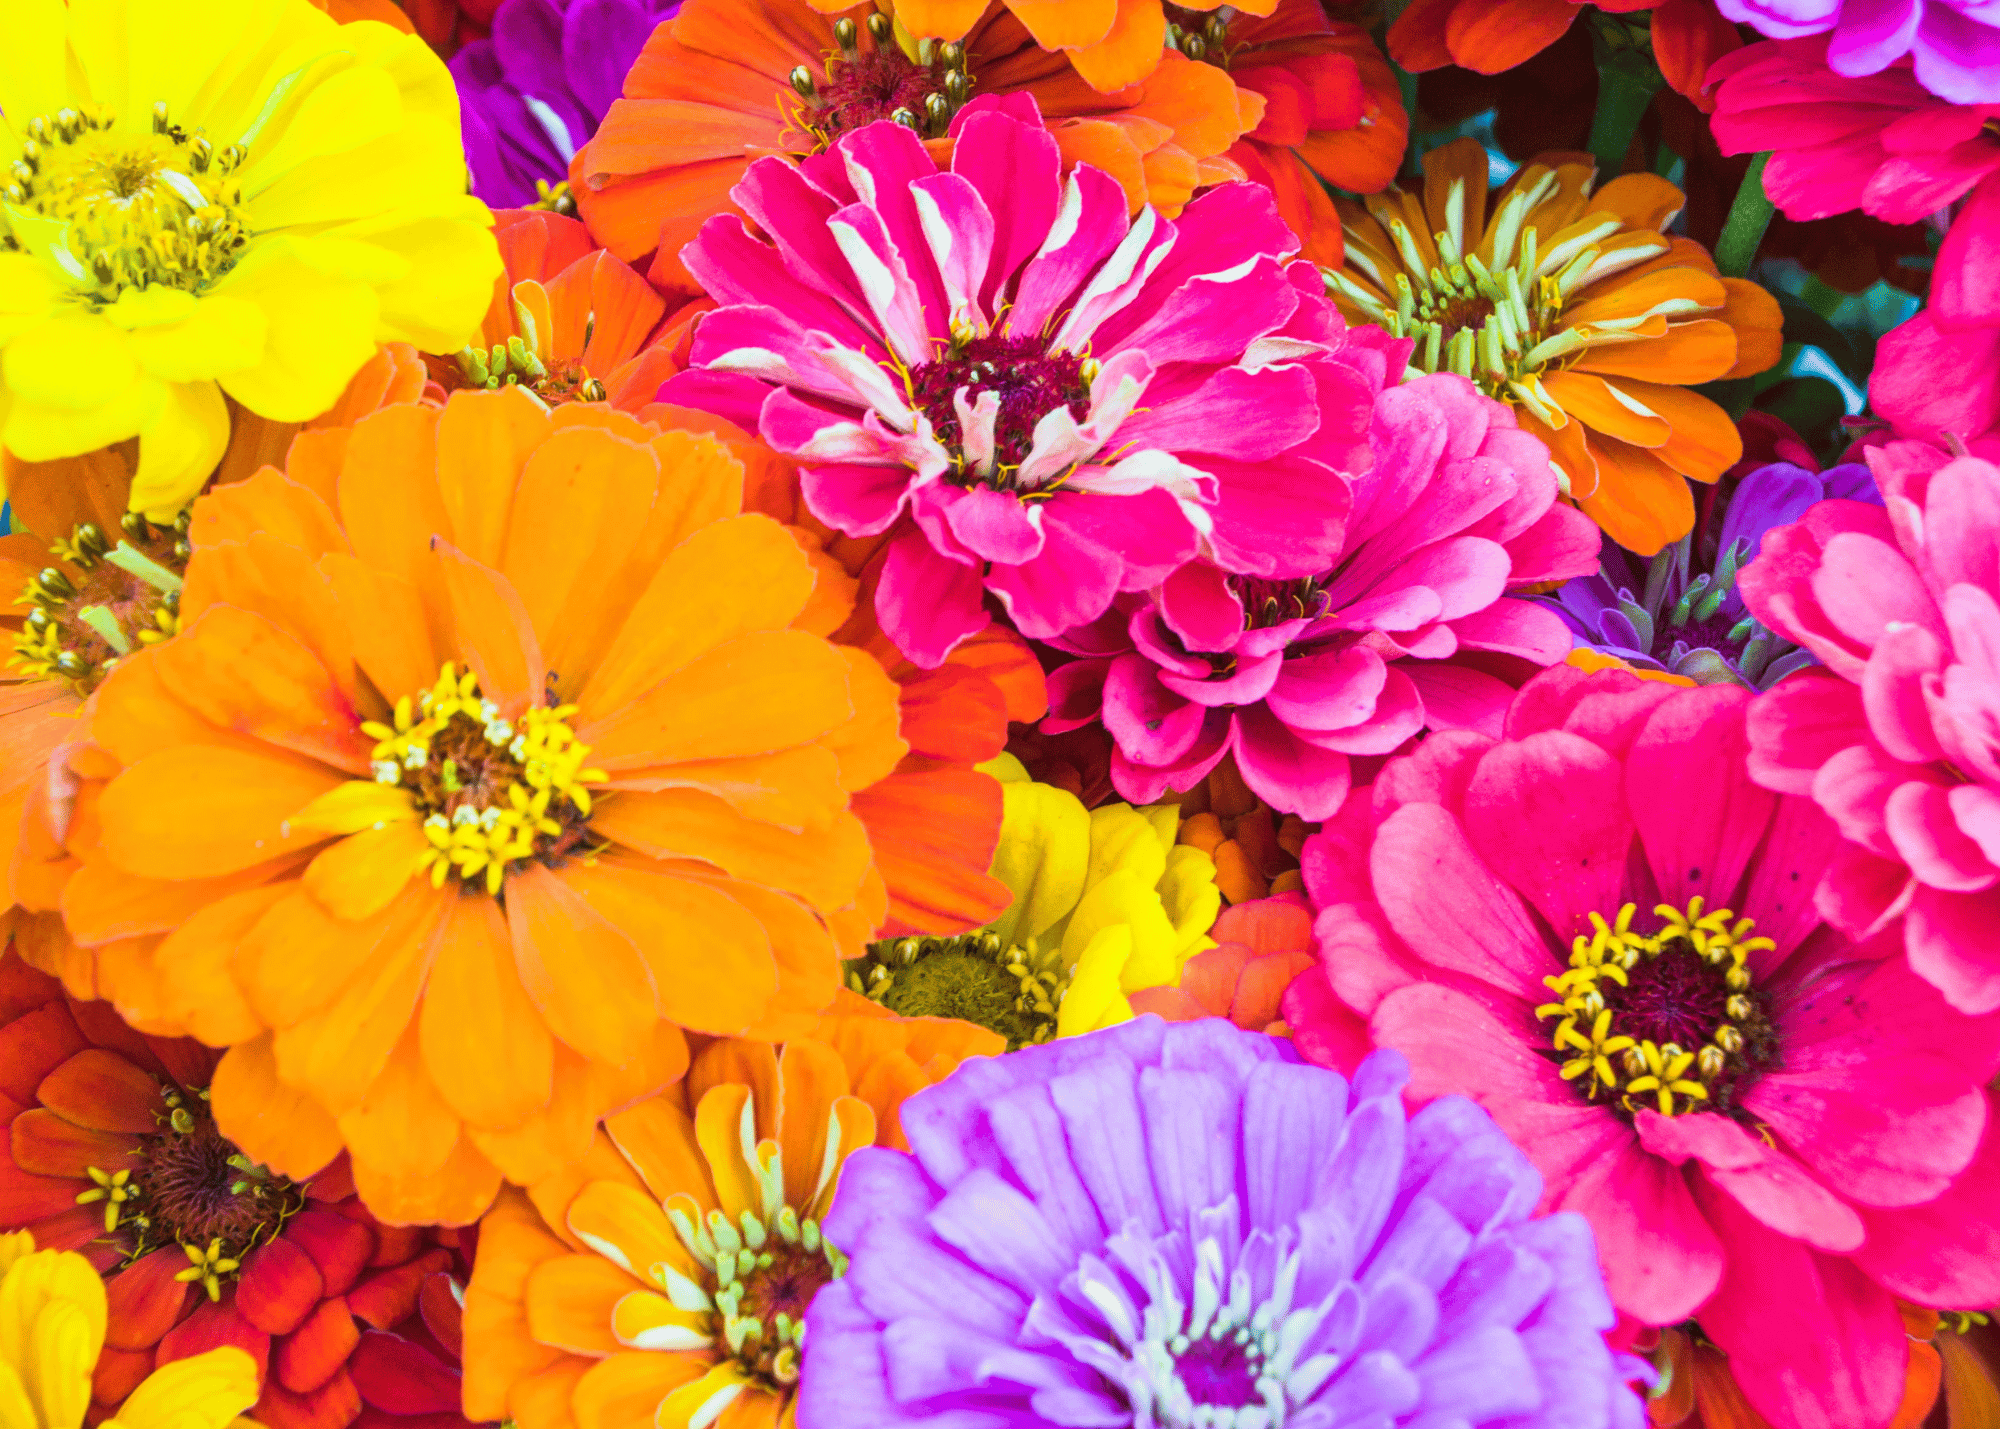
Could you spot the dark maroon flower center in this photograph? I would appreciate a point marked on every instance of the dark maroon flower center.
(1268, 602)
(871, 78)
(1029, 380)
(1220, 1372)
(1716, 633)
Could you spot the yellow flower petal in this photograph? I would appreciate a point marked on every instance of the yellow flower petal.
(351, 807)
(74, 360)
(1127, 839)
(217, 334)
(1093, 999)
(31, 62)
(1123, 900)
(179, 448)
(1042, 856)
(206, 1391)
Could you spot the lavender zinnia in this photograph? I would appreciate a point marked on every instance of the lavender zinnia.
(1669, 614)
(1182, 1225)
(533, 93)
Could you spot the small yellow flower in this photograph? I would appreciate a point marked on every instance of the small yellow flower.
(235, 197)
(1105, 904)
(52, 1321)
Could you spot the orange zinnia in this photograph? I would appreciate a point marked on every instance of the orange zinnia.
(96, 582)
(729, 80)
(601, 1296)
(489, 757)
(1574, 308)
(568, 321)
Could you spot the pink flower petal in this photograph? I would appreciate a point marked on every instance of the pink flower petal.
(1331, 689)
(1892, 692)
(995, 525)
(1661, 1258)
(1153, 724)
(1954, 945)
(1762, 1180)
(926, 603)
(1545, 815)
(1946, 1251)
(1799, 725)
(1452, 909)
(1918, 819)
(1290, 775)
(1700, 817)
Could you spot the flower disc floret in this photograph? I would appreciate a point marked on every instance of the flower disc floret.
(103, 601)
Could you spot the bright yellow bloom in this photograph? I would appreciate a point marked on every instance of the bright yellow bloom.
(217, 197)
(52, 1319)
(1105, 904)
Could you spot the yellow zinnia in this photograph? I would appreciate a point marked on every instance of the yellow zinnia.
(1105, 903)
(234, 197)
(52, 1318)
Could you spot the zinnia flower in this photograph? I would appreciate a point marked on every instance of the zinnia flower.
(1897, 738)
(1600, 930)
(730, 80)
(114, 1153)
(1686, 36)
(1177, 1224)
(1953, 46)
(1670, 615)
(97, 582)
(1105, 903)
(1260, 946)
(55, 1329)
(665, 1281)
(1004, 404)
(1572, 306)
(568, 321)
(1256, 850)
(229, 197)
(1293, 678)
(534, 92)
(534, 772)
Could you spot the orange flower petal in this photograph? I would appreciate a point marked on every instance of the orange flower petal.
(1642, 503)
(657, 1137)
(456, 1194)
(824, 867)
(275, 1125)
(581, 971)
(1417, 38)
(1495, 36)
(627, 1227)
(1637, 297)
(1059, 24)
(1567, 450)
(1604, 408)
(1643, 200)
(627, 1388)
(1971, 1398)
(389, 488)
(486, 1048)
(1704, 444)
(720, 1130)
(926, 19)
(1130, 51)
(202, 811)
(483, 440)
(402, 1128)
(196, 990)
(490, 631)
(498, 1352)
(1759, 324)
(934, 832)
(1105, 145)
(1691, 352)
(393, 642)
(753, 1064)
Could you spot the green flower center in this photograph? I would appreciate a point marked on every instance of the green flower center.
(974, 977)
(109, 601)
(160, 209)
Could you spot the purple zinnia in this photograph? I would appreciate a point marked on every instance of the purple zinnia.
(1669, 615)
(1178, 1225)
(532, 94)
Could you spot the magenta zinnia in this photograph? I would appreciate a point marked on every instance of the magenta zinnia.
(1404, 630)
(1032, 394)
(1599, 929)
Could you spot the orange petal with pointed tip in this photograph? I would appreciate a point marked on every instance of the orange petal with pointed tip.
(1642, 503)
(490, 630)
(582, 972)
(658, 1138)
(1704, 444)
(201, 811)
(483, 440)
(1603, 408)
(1497, 35)
(627, 1388)
(486, 1048)
(1690, 352)
(1759, 325)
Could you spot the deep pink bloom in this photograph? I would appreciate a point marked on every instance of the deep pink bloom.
(1840, 1151)
(1032, 394)
(1293, 677)
(1939, 385)
(1953, 44)
(1898, 738)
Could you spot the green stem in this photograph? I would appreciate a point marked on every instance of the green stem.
(1626, 84)
(1749, 216)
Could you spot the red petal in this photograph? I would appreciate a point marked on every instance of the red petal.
(26, 1197)
(22, 988)
(33, 1046)
(312, 1354)
(376, 1419)
(332, 1406)
(399, 1377)
(99, 1089)
(211, 1326)
(444, 1317)
(79, 1228)
(47, 1145)
(279, 1288)
(145, 1301)
(118, 1373)
(335, 1183)
(396, 1244)
(390, 1297)
(338, 1246)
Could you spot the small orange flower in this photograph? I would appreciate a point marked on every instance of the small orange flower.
(1260, 947)
(1573, 307)
(1256, 853)
(727, 81)
(568, 321)
(1489, 36)
(490, 756)
(600, 1295)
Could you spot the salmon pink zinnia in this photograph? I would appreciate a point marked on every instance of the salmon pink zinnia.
(1599, 929)
(1038, 397)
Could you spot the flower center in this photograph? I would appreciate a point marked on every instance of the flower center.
(974, 977)
(514, 364)
(1026, 379)
(193, 1188)
(142, 209)
(1268, 602)
(1203, 38)
(494, 792)
(1668, 1017)
(110, 600)
(920, 87)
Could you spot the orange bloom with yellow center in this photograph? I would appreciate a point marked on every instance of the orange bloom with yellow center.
(489, 757)
(727, 81)
(1573, 307)
(568, 321)
(664, 1279)
(91, 582)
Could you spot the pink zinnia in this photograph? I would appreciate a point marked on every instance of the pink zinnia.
(1032, 394)
(1898, 738)
(1599, 929)
(1884, 144)
(1393, 634)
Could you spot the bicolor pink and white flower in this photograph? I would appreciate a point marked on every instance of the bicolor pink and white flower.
(1601, 930)
(1398, 632)
(1029, 393)
(1898, 737)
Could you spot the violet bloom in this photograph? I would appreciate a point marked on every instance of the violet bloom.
(1178, 1225)
(1955, 44)
(1033, 394)
(1666, 615)
(1395, 634)
(533, 93)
